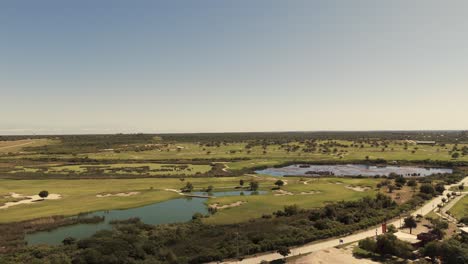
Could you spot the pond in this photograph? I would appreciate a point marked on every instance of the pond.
(172, 211)
(351, 170)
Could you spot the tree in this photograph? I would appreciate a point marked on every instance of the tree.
(290, 210)
(410, 223)
(209, 188)
(455, 155)
(440, 188)
(43, 194)
(284, 251)
(412, 183)
(241, 182)
(427, 189)
(279, 183)
(401, 180)
(197, 216)
(188, 187)
(391, 187)
(461, 187)
(254, 185)
(69, 241)
(392, 229)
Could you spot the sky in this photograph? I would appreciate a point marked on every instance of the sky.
(114, 66)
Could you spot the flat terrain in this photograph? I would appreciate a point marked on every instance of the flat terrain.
(19, 145)
(150, 169)
(460, 209)
(276, 153)
(38, 161)
(81, 195)
(315, 193)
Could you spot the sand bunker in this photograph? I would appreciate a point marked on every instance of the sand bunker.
(117, 194)
(28, 199)
(217, 206)
(310, 192)
(174, 190)
(282, 192)
(358, 188)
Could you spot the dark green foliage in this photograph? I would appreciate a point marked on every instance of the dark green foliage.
(440, 188)
(387, 244)
(452, 251)
(284, 251)
(279, 183)
(412, 183)
(254, 185)
(188, 187)
(410, 223)
(427, 188)
(401, 180)
(390, 244)
(43, 194)
(131, 241)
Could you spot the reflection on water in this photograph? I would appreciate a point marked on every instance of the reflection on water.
(172, 211)
(351, 170)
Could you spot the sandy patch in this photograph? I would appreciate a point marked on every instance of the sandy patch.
(174, 190)
(282, 192)
(28, 199)
(332, 256)
(117, 194)
(358, 188)
(310, 192)
(217, 206)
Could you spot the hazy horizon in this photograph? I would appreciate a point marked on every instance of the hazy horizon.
(110, 67)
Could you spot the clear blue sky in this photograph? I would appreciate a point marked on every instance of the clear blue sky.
(196, 66)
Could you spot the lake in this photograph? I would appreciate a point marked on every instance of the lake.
(351, 170)
(172, 211)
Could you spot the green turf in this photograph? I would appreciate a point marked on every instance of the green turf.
(325, 191)
(80, 195)
(460, 209)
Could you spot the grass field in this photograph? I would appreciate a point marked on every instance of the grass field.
(346, 150)
(153, 169)
(80, 195)
(460, 209)
(19, 145)
(393, 151)
(315, 193)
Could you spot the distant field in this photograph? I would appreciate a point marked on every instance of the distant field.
(119, 159)
(152, 169)
(275, 154)
(460, 209)
(19, 145)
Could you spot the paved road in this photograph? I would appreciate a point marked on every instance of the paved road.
(308, 248)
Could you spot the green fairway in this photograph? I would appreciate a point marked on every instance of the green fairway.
(80, 195)
(315, 193)
(460, 209)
